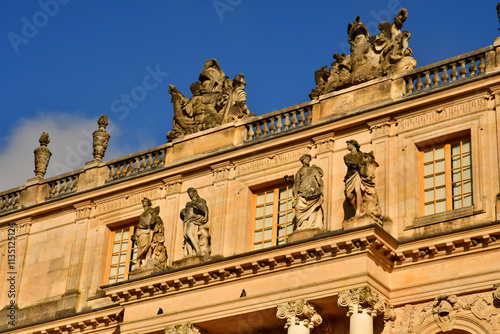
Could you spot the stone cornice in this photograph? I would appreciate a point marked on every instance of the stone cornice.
(80, 323)
(329, 247)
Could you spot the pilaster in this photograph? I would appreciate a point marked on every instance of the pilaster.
(170, 196)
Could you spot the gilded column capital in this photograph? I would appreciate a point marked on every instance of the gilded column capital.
(359, 299)
(299, 311)
(186, 328)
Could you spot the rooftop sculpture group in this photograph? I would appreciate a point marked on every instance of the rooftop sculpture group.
(371, 57)
(216, 100)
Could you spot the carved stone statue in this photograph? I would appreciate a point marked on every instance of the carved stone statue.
(359, 186)
(307, 195)
(194, 226)
(101, 138)
(42, 155)
(216, 100)
(149, 236)
(371, 57)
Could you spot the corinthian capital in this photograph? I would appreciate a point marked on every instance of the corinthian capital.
(359, 299)
(298, 312)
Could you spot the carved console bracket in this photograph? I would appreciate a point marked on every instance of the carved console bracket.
(298, 312)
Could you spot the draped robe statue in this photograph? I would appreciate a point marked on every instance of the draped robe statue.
(194, 225)
(307, 195)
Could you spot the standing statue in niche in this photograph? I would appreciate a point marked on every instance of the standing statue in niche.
(307, 193)
(359, 186)
(194, 226)
(149, 237)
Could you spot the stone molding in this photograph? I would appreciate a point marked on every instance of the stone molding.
(271, 161)
(299, 311)
(186, 328)
(220, 172)
(371, 239)
(380, 128)
(83, 209)
(441, 114)
(365, 298)
(126, 200)
(324, 143)
(173, 185)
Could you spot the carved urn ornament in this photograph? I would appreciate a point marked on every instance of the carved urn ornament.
(101, 138)
(371, 57)
(42, 155)
(216, 100)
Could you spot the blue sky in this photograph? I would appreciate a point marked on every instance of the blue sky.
(66, 62)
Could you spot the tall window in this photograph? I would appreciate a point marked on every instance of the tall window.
(123, 255)
(273, 217)
(446, 177)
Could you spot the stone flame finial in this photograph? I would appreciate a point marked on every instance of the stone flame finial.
(42, 156)
(101, 138)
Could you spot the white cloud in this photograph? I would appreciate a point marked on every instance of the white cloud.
(70, 142)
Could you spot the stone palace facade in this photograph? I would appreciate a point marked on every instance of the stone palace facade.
(372, 208)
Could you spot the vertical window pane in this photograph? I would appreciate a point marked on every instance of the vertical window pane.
(282, 193)
(118, 235)
(269, 209)
(116, 247)
(467, 187)
(267, 244)
(440, 180)
(259, 223)
(468, 200)
(428, 156)
(456, 161)
(429, 208)
(466, 159)
(269, 197)
(439, 153)
(282, 206)
(428, 182)
(268, 234)
(466, 146)
(440, 206)
(457, 202)
(269, 221)
(257, 246)
(260, 199)
(456, 189)
(259, 211)
(455, 148)
(429, 169)
(439, 166)
(114, 259)
(440, 193)
(456, 175)
(125, 233)
(467, 173)
(429, 195)
(258, 236)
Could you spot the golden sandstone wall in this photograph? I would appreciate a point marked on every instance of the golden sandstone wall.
(62, 242)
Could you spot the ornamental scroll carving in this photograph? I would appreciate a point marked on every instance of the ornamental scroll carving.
(371, 57)
(299, 311)
(359, 299)
(216, 100)
(187, 328)
(446, 311)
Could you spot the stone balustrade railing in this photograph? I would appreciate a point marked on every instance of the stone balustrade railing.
(279, 121)
(10, 200)
(448, 71)
(132, 165)
(63, 186)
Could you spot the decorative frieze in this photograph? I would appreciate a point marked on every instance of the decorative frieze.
(83, 209)
(173, 185)
(438, 115)
(299, 312)
(187, 328)
(125, 201)
(380, 128)
(359, 299)
(323, 143)
(221, 171)
(271, 161)
(446, 311)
